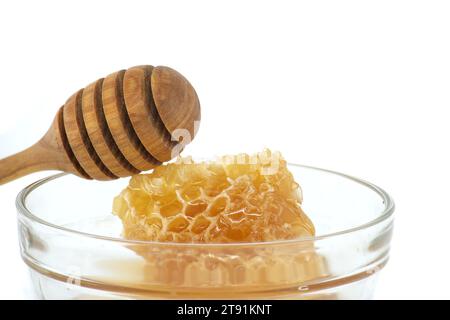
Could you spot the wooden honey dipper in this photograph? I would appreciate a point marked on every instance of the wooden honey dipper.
(130, 121)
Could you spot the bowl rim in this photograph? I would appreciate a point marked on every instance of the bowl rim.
(389, 207)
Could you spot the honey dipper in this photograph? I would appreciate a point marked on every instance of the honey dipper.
(120, 125)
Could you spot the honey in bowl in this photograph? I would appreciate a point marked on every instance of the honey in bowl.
(236, 199)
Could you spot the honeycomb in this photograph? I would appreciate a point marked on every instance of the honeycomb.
(232, 270)
(238, 198)
(234, 199)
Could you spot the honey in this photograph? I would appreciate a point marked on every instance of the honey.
(234, 200)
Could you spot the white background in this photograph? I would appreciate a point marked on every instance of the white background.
(360, 87)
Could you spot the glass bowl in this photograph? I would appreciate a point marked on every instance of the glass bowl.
(72, 245)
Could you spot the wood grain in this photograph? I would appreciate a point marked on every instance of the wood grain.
(79, 140)
(143, 114)
(115, 127)
(176, 100)
(46, 154)
(99, 134)
(120, 125)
